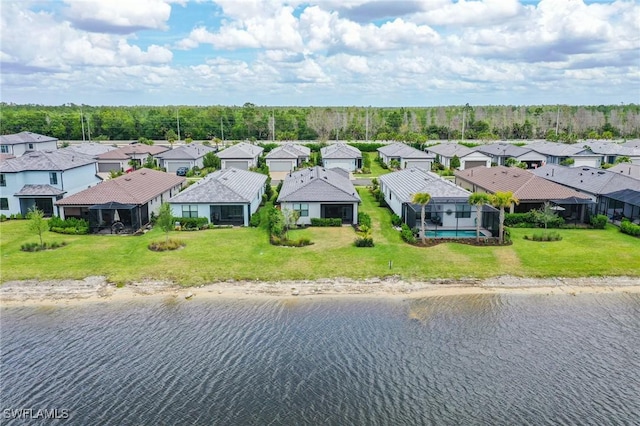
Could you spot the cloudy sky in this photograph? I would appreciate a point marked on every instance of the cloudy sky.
(326, 52)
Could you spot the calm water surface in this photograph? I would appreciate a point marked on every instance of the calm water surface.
(472, 360)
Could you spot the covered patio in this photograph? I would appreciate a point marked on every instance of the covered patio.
(453, 218)
(573, 209)
(623, 204)
(115, 218)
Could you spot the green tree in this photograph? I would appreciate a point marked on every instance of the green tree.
(455, 162)
(165, 219)
(211, 160)
(501, 200)
(423, 199)
(478, 199)
(37, 223)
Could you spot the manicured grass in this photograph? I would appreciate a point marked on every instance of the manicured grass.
(376, 169)
(245, 253)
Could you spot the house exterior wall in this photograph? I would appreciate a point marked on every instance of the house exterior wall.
(392, 200)
(407, 163)
(292, 164)
(251, 162)
(21, 148)
(345, 163)
(586, 161)
(475, 157)
(315, 211)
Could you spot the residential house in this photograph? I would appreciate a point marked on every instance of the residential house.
(406, 156)
(532, 190)
(225, 197)
(468, 157)
(341, 155)
(39, 178)
(633, 143)
(610, 152)
(616, 195)
(627, 169)
(501, 152)
(287, 157)
(129, 199)
(241, 156)
(20, 143)
(189, 156)
(318, 192)
(127, 158)
(448, 209)
(92, 149)
(573, 155)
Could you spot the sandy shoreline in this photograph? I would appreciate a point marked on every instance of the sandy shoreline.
(97, 289)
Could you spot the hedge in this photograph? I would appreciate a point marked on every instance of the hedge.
(71, 225)
(630, 228)
(316, 221)
(191, 222)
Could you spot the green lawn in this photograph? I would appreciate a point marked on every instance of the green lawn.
(376, 169)
(245, 253)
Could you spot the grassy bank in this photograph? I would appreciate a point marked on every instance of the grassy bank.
(245, 253)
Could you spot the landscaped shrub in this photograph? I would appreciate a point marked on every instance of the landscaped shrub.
(71, 225)
(255, 220)
(517, 219)
(396, 220)
(630, 228)
(3, 217)
(31, 247)
(70, 231)
(364, 219)
(407, 234)
(542, 236)
(300, 242)
(363, 241)
(599, 221)
(191, 223)
(165, 245)
(333, 221)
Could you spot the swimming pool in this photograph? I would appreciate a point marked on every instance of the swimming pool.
(452, 234)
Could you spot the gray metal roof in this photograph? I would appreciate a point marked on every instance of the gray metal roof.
(627, 169)
(241, 150)
(317, 184)
(24, 137)
(92, 149)
(450, 149)
(633, 143)
(340, 150)
(557, 149)
(223, 186)
(54, 160)
(289, 151)
(404, 151)
(405, 183)
(610, 148)
(502, 150)
(192, 151)
(587, 179)
(38, 190)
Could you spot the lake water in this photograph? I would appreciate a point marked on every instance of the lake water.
(472, 360)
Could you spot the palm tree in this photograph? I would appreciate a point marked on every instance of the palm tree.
(502, 200)
(478, 199)
(423, 199)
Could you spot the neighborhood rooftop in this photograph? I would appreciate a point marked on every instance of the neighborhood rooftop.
(403, 151)
(502, 150)
(317, 184)
(137, 187)
(289, 150)
(588, 179)
(54, 160)
(340, 150)
(138, 151)
(190, 151)
(608, 148)
(450, 149)
(240, 150)
(24, 137)
(92, 149)
(557, 149)
(223, 186)
(406, 183)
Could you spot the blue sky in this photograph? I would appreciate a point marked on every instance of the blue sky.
(328, 52)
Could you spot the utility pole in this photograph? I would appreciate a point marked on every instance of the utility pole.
(178, 120)
(89, 128)
(557, 120)
(366, 132)
(221, 129)
(82, 122)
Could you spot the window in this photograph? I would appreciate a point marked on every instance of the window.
(3, 180)
(30, 146)
(463, 210)
(4, 204)
(189, 211)
(4, 149)
(53, 178)
(302, 208)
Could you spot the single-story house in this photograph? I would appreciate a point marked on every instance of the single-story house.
(531, 190)
(448, 210)
(18, 144)
(610, 152)
(501, 152)
(469, 158)
(406, 156)
(573, 155)
(189, 156)
(287, 157)
(627, 169)
(120, 159)
(341, 155)
(597, 184)
(318, 192)
(40, 178)
(225, 197)
(240, 156)
(92, 149)
(633, 143)
(129, 199)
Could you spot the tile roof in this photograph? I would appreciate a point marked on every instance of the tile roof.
(557, 149)
(289, 151)
(610, 148)
(633, 143)
(404, 151)
(223, 186)
(38, 190)
(524, 184)
(92, 149)
(340, 150)
(405, 183)
(587, 179)
(24, 137)
(502, 150)
(627, 169)
(137, 187)
(317, 184)
(241, 150)
(48, 160)
(139, 151)
(191, 151)
(450, 149)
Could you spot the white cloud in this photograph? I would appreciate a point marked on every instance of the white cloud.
(119, 16)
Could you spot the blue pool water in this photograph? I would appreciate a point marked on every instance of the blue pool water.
(452, 234)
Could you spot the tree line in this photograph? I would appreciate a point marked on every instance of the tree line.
(263, 123)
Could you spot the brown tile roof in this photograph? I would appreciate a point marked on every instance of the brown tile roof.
(140, 151)
(137, 188)
(524, 184)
